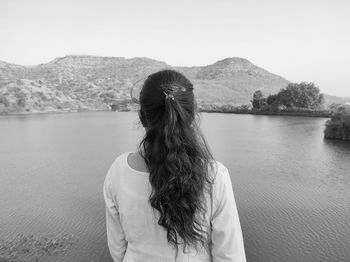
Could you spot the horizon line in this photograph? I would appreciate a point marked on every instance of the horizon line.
(126, 58)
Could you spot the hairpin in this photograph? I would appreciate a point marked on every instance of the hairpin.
(167, 96)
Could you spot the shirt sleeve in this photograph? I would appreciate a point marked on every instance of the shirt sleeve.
(115, 234)
(226, 235)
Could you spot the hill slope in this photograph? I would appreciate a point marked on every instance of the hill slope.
(74, 83)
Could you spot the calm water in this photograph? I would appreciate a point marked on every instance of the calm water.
(292, 187)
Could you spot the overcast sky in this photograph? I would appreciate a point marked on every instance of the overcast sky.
(301, 40)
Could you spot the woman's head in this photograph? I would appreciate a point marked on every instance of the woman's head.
(160, 91)
(177, 157)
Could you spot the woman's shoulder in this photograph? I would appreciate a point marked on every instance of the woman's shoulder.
(117, 163)
(218, 171)
(119, 158)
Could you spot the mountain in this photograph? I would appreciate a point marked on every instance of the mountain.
(75, 83)
(232, 81)
(72, 83)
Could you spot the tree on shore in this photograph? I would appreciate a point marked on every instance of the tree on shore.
(259, 101)
(338, 127)
(301, 95)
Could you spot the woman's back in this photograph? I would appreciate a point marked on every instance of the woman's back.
(132, 224)
(184, 203)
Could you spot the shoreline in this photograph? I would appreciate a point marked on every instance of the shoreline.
(53, 112)
(281, 113)
(323, 114)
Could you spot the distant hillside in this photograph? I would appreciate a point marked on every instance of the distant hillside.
(75, 83)
(335, 99)
(72, 83)
(232, 81)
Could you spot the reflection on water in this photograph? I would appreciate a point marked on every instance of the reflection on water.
(292, 187)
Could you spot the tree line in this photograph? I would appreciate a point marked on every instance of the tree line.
(295, 96)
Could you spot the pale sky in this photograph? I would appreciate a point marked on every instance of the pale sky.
(301, 40)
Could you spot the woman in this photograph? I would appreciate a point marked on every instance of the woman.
(171, 201)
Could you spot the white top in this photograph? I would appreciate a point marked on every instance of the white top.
(134, 235)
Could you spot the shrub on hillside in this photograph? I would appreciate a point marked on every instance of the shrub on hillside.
(4, 100)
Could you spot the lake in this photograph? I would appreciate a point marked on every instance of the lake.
(292, 187)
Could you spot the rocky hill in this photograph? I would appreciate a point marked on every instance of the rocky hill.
(78, 83)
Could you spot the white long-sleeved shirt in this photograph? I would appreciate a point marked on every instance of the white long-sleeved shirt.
(134, 235)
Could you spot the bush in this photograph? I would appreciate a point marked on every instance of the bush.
(108, 97)
(338, 127)
(20, 96)
(4, 100)
(42, 96)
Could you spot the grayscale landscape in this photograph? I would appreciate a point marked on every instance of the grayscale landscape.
(272, 90)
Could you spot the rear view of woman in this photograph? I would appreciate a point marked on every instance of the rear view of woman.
(171, 201)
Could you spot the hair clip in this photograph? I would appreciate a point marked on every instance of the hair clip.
(167, 96)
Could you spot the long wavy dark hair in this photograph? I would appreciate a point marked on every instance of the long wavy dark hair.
(177, 156)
